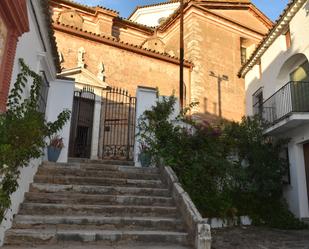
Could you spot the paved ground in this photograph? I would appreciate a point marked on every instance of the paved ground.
(259, 238)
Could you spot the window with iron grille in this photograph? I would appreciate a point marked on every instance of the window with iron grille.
(243, 53)
(258, 102)
(43, 93)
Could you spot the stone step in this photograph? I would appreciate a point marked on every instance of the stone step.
(93, 189)
(106, 210)
(98, 181)
(69, 171)
(104, 167)
(102, 245)
(75, 198)
(111, 162)
(33, 236)
(96, 222)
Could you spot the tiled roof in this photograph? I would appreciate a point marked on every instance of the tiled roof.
(280, 24)
(91, 8)
(151, 5)
(139, 25)
(125, 45)
(44, 4)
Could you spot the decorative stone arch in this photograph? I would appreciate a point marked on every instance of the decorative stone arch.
(72, 18)
(154, 43)
(291, 64)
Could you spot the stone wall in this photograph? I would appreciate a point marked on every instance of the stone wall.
(123, 68)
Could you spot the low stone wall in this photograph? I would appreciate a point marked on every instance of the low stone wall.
(199, 230)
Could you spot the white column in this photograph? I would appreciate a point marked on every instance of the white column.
(96, 127)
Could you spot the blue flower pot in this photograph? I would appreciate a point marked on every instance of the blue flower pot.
(145, 159)
(53, 153)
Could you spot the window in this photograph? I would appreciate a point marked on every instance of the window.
(43, 93)
(243, 54)
(288, 38)
(258, 102)
(301, 73)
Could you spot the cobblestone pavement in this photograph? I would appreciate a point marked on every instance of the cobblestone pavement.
(259, 238)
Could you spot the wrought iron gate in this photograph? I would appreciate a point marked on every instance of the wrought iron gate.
(82, 123)
(118, 125)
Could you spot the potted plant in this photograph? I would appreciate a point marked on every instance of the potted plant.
(145, 155)
(54, 148)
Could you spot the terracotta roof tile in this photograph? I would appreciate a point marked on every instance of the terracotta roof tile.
(88, 7)
(122, 42)
(254, 57)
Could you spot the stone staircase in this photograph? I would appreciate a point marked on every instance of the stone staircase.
(97, 202)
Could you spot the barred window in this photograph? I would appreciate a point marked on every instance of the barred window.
(243, 52)
(43, 93)
(258, 102)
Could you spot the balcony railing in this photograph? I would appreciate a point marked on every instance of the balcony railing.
(291, 98)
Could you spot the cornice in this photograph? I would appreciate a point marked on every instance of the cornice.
(119, 44)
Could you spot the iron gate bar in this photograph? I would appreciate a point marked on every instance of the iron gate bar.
(119, 125)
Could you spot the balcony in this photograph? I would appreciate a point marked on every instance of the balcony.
(285, 109)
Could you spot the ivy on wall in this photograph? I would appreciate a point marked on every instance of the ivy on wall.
(228, 170)
(23, 131)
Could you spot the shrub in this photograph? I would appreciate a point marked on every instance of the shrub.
(22, 133)
(228, 170)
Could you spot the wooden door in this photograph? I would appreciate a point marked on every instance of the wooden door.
(306, 157)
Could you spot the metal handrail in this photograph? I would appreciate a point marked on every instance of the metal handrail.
(292, 97)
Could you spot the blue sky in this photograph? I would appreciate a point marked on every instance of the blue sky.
(272, 8)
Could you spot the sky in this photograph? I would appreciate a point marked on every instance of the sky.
(272, 8)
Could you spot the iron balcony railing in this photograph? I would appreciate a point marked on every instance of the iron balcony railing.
(291, 98)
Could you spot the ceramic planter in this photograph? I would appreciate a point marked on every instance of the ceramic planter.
(145, 159)
(53, 153)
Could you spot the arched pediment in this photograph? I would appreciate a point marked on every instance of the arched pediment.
(154, 44)
(71, 18)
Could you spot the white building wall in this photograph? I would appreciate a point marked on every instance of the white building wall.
(145, 99)
(30, 48)
(150, 15)
(272, 79)
(60, 97)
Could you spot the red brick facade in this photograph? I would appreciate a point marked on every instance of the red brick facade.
(14, 21)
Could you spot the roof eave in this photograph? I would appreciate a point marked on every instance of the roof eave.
(284, 19)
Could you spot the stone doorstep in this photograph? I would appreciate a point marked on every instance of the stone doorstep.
(74, 198)
(101, 161)
(25, 236)
(108, 210)
(93, 189)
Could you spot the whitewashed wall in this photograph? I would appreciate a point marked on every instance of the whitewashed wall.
(30, 48)
(275, 74)
(145, 99)
(60, 97)
(150, 15)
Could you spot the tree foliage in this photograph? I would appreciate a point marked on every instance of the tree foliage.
(229, 170)
(23, 132)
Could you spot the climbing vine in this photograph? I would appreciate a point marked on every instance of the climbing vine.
(229, 170)
(23, 132)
